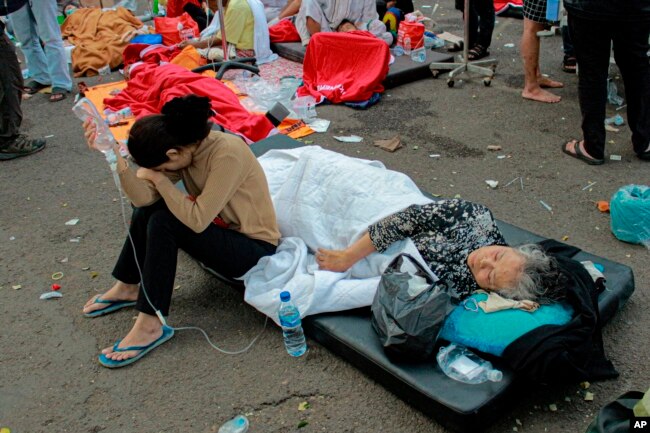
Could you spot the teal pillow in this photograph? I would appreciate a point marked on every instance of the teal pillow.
(493, 332)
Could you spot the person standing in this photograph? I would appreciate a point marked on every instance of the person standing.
(35, 22)
(535, 83)
(594, 26)
(12, 143)
(481, 26)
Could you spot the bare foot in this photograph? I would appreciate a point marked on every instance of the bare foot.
(333, 260)
(145, 331)
(547, 83)
(119, 292)
(540, 95)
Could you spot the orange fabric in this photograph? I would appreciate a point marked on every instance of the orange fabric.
(294, 128)
(189, 58)
(96, 94)
(97, 37)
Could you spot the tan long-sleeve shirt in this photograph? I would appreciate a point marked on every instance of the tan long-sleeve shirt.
(225, 179)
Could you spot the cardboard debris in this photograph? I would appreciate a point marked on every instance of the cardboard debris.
(390, 145)
(589, 396)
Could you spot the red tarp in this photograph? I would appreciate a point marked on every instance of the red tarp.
(344, 67)
(150, 86)
(284, 31)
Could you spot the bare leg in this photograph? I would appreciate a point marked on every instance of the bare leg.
(530, 55)
(290, 9)
(146, 330)
(313, 26)
(119, 292)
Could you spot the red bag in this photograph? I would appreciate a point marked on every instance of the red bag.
(413, 31)
(168, 28)
(284, 31)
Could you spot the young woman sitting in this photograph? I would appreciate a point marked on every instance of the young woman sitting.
(227, 222)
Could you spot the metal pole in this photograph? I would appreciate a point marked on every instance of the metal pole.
(465, 33)
(224, 43)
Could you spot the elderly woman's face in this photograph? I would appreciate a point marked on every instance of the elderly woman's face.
(495, 267)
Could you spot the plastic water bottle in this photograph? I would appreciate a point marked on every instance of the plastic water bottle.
(461, 364)
(419, 55)
(115, 117)
(294, 337)
(104, 139)
(407, 45)
(238, 424)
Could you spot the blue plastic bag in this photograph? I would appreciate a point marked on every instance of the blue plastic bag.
(151, 39)
(630, 212)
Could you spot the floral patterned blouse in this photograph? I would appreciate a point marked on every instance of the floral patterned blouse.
(444, 232)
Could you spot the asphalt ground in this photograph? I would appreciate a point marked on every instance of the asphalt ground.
(50, 380)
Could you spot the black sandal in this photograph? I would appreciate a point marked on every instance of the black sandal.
(569, 64)
(579, 155)
(477, 52)
(34, 87)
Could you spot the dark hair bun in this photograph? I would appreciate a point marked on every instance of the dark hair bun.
(186, 117)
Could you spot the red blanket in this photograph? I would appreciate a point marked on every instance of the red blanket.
(284, 31)
(344, 67)
(150, 86)
(501, 6)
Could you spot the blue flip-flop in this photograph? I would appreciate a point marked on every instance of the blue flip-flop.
(168, 332)
(110, 307)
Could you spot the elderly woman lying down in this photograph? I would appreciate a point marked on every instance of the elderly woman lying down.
(461, 244)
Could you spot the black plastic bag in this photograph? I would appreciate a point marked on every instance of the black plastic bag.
(408, 310)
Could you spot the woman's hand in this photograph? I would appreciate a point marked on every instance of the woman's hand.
(152, 176)
(333, 260)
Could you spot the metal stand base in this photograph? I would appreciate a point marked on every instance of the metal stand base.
(484, 67)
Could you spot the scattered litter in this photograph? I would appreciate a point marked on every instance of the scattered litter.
(547, 207)
(319, 125)
(302, 424)
(76, 239)
(57, 275)
(610, 128)
(567, 399)
(585, 385)
(602, 205)
(416, 147)
(615, 157)
(492, 183)
(94, 274)
(590, 185)
(494, 147)
(309, 141)
(611, 142)
(12, 238)
(515, 429)
(612, 94)
(521, 181)
(303, 406)
(434, 155)
(64, 205)
(72, 222)
(390, 145)
(589, 396)
(502, 156)
(56, 287)
(511, 182)
(177, 287)
(518, 422)
(552, 407)
(511, 45)
(51, 295)
(64, 260)
(17, 287)
(565, 238)
(349, 138)
(457, 196)
(85, 268)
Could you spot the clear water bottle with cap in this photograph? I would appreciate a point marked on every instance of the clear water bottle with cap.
(238, 424)
(462, 365)
(294, 337)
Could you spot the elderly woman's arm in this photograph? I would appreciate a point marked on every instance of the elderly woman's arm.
(342, 260)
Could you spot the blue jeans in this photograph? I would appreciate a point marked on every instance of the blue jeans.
(32, 23)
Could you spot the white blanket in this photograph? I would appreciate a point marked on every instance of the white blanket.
(326, 200)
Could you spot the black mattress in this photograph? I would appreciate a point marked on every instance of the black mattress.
(403, 71)
(453, 404)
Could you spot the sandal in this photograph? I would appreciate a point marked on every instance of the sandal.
(58, 94)
(34, 87)
(458, 46)
(168, 332)
(570, 64)
(578, 154)
(477, 52)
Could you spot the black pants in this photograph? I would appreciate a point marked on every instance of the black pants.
(158, 234)
(592, 40)
(197, 14)
(11, 85)
(481, 21)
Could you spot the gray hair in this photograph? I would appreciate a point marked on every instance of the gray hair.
(535, 270)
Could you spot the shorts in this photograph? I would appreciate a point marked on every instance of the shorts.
(535, 10)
